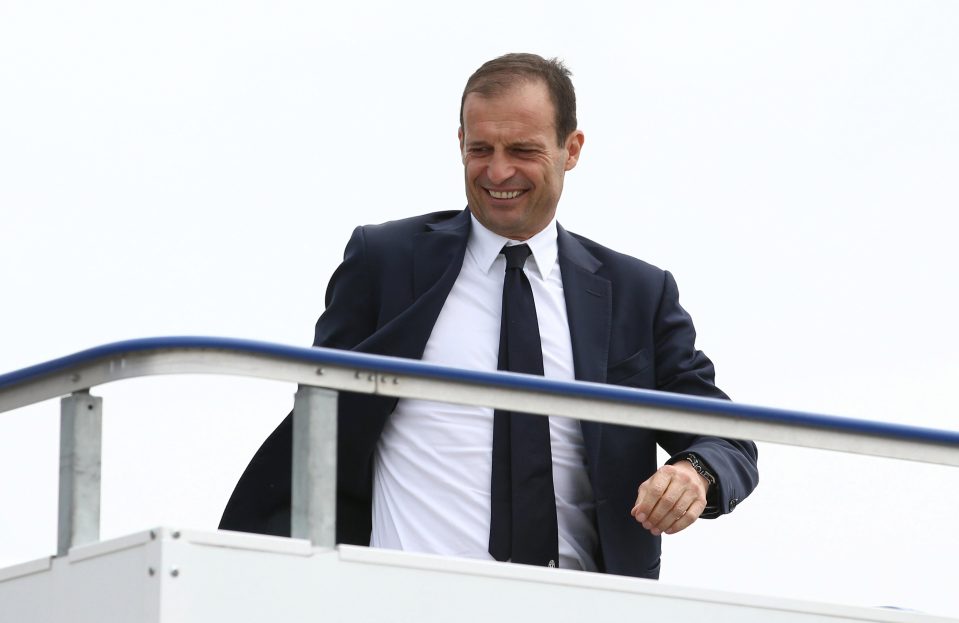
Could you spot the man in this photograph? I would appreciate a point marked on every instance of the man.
(439, 478)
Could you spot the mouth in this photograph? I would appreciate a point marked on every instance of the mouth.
(504, 194)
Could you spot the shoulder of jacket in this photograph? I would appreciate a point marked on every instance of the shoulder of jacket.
(615, 261)
(411, 224)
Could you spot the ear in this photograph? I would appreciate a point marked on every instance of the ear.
(461, 137)
(574, 146)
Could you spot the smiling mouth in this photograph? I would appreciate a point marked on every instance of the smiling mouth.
(505, 194)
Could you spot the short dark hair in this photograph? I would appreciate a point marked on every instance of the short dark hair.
(500, 74)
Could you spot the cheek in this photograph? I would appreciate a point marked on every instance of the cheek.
(473, 169)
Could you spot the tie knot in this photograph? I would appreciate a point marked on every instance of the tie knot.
(516, 255)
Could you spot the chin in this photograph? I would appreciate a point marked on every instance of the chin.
(505, 228)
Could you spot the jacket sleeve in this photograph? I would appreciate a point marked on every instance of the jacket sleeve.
(350, 315)
(680, 368)
(261, 500)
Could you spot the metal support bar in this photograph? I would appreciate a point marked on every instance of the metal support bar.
(81, 426)
(313, 514)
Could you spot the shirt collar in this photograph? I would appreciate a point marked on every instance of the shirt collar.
(484, 246)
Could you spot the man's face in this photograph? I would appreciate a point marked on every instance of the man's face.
(514, 168)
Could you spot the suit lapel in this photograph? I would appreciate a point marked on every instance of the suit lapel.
(438, 255)
(589, 308)
(437, 258)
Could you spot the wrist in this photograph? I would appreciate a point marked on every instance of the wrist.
(701, 469)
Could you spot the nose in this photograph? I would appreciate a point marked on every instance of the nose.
(500, 168)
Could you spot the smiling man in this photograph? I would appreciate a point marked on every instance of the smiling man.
(515, 155)
(500, 285)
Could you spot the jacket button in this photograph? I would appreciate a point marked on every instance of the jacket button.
(733, 502)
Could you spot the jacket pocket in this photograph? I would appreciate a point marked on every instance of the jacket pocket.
(626, 371)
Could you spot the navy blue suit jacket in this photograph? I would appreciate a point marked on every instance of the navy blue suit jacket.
(627, 328)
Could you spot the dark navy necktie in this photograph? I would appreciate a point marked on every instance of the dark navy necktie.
(523, 505)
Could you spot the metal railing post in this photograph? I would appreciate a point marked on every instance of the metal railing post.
(81, 426)
(313, 509)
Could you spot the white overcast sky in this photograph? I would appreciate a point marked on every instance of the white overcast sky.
(196, 167)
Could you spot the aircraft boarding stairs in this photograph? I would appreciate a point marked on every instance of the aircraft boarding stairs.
(180, 575)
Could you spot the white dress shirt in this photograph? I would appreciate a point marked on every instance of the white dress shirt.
(431, 484)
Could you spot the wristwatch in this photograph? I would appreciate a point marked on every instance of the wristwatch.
(700, 468)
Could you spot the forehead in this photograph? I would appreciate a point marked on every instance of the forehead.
(523, 108)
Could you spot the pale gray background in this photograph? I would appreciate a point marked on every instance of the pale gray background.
(196, 168)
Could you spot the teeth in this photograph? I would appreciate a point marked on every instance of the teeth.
(510, 194)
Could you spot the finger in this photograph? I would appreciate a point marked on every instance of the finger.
(686, 510)
(671, 493)
(673, 518)
(677, 485)
(671, 505)
(649, 495)
(687, 518)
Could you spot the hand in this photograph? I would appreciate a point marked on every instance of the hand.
(671, 500)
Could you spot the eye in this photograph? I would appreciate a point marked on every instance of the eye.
(524, 152)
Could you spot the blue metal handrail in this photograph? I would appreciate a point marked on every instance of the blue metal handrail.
(391, 365)
(321, 372)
